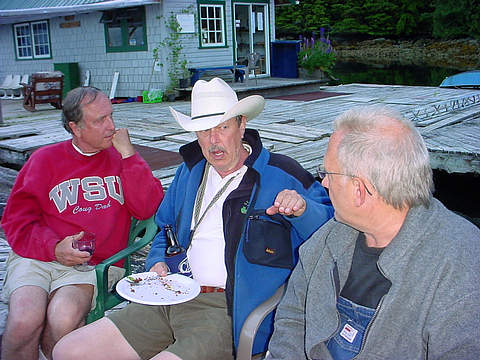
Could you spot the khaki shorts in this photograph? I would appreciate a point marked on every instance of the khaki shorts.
(49, 276)
(199, 329)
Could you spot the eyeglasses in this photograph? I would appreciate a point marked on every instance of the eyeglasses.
(322, 173)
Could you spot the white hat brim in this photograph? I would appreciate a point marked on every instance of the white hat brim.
(250, 107)
(188, 124)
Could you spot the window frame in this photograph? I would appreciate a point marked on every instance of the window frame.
(125, 47)
(33, 42)
(222, 5)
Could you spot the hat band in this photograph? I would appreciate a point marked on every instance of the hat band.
(207, 115)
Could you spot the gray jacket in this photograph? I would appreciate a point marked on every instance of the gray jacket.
(432, 310)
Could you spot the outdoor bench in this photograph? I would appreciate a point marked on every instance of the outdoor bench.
(238, 72)
(44, 87)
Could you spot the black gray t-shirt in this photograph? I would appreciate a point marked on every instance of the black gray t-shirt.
(365, 283)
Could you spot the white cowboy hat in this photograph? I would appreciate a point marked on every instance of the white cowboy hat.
(214, 102)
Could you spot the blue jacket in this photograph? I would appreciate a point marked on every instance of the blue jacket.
(272, 257)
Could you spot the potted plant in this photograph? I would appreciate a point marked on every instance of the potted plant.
(169, 95)
(184, 80)
(316, 59)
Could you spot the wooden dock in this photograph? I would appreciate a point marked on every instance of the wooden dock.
(449, 120)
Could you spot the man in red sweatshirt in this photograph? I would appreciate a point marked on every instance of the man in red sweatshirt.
(94, 182)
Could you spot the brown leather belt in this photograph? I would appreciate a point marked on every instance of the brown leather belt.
(210, 289)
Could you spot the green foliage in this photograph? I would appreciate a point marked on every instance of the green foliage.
(349, 26)
(415, 18)
(306, 18)
(456, 19)
(443, 19)
(319, 56)
(381, 17)
(176, 61)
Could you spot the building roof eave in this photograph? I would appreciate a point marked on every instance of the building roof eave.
(19, 15)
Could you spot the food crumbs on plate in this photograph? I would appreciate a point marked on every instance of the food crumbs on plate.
(150, 281)
(167, 283)
(134, 280)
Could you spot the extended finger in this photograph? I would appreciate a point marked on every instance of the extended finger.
(272, 210)
(77, 236)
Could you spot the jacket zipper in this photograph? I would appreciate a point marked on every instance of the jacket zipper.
(253, 200)
(332, 278)
(373, 317)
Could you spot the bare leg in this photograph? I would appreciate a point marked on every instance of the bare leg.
(100, 340)
(25, 321)
(66, 311)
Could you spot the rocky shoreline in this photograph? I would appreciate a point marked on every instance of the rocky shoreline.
(463, 54)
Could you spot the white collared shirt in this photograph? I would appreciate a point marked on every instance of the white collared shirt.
(81, 152)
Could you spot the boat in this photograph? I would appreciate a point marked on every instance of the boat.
(469, 79)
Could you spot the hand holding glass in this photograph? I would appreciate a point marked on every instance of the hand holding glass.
(86, 243)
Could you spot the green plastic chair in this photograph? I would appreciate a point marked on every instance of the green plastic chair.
(145, 231)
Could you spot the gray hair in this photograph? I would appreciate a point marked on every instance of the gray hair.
(386, 148)
(72, 105)
(239, 119)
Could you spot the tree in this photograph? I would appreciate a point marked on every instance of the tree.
(381, 17)
(449, 18)
(386, 18)
(304, 19)
(456, 19)
(415, 18)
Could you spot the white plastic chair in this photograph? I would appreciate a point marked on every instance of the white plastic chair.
(252, 322)
(7, 82)
(86, 81)
(13, 85)
(252, 60)
(113, 89)
(17, 90)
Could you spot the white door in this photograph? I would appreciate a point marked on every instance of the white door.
(252, 34)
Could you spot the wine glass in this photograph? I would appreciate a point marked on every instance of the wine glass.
(86, 243)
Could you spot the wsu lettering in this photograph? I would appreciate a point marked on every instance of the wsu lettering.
(92, 188)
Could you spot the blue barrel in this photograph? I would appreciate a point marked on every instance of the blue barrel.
(284, 58)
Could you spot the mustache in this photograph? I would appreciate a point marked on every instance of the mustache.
(214, 148)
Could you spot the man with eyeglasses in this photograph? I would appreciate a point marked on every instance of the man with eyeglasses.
(395, 275)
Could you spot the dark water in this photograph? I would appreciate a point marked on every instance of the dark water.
(459, 192)
(394, 74)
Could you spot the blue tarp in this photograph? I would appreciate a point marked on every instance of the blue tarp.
(464, 79)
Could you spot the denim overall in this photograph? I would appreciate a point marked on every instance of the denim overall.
(354, 319)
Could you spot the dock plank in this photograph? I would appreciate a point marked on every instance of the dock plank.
(32, 142)
(15, 131)
(184, 138)
(304, 132)
(454, 118)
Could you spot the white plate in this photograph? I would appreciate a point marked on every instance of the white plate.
(152, 289)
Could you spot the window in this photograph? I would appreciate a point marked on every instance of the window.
(212, 25)
(125, 29)
(32, 40)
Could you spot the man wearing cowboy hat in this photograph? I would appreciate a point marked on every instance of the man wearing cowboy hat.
(242, 213)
